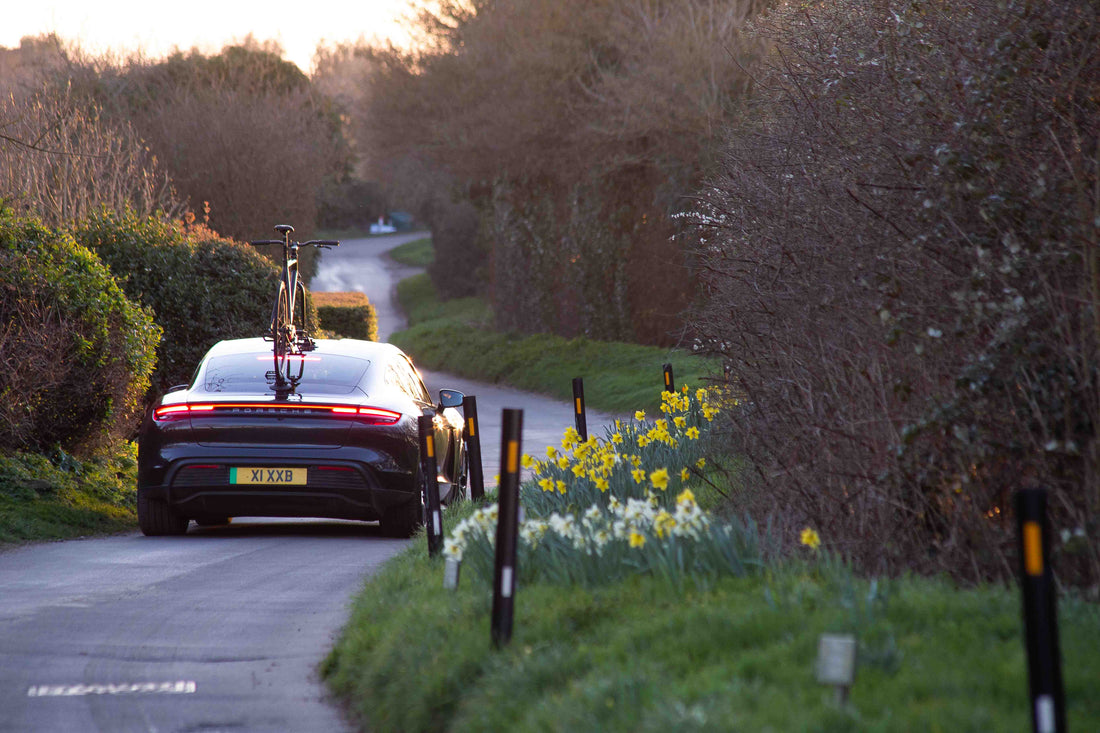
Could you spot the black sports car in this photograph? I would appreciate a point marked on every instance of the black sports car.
(329, 432)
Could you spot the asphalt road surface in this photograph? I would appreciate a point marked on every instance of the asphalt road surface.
(223, 629)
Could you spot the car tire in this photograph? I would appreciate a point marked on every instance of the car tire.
(462, 482)
(157, 519)
(402, 520)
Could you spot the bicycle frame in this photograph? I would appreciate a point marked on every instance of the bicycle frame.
(288, 339)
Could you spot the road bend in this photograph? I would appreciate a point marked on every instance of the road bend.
(222, 629)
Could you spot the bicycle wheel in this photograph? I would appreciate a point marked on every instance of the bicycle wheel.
(300, 311)
(282, 328)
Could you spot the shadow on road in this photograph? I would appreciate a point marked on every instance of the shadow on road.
(276, 527)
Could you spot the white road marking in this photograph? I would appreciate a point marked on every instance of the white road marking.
(180, 687)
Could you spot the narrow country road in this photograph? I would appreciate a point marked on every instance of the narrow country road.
(222, 629)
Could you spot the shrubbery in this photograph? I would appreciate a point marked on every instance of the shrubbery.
(201, 287)
(901, 257)
(347, 315)
(75, 354)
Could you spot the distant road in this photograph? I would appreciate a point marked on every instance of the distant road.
(222, 629)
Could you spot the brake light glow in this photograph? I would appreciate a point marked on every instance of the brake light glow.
(369, 415)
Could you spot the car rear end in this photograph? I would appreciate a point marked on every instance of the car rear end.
(339, 445)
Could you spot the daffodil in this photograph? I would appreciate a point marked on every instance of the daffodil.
(701, 463)
(637, 539)
(663, 524)
(601, 484)
(659, 479)
(639, 415)
(692, 433)
(810, 538)
(617, 438)
(685, 473)
(638, 474)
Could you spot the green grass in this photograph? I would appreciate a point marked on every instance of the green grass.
(736, 655)
(417, 253)
(456, 336)
(58, 497)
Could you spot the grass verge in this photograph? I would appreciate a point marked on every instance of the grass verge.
(736, 654)
(417, 253)
(59, 497)
(456, 336)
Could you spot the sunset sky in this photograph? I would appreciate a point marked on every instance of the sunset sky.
(156, 27)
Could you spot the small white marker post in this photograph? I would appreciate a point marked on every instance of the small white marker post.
(836, 663)
(451, 572)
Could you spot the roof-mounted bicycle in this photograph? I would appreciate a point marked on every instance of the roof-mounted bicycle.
(289, 330)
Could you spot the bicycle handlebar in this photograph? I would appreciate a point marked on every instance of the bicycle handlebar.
(314, 242)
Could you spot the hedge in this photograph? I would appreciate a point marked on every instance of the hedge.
(202, 287)
(348, 315)
(75, 354)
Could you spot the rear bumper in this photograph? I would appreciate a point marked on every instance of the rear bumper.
(345, 484)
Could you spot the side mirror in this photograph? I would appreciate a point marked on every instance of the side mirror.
(450, 398)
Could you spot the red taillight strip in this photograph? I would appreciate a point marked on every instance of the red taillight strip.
(372, 415)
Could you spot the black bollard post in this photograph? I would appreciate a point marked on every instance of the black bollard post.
(1044, 663)
(430, 470)
(578, 408)
(504, 570)
(473, 448)
(670, 383)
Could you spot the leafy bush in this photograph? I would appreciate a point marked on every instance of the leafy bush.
(349, 315)
(75, 354)
(901, 258)
(201, 287)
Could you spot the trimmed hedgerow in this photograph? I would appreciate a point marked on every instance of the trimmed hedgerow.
(75, 354)
(202, 287)
(348, 315)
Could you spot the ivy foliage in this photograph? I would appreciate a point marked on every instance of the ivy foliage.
(75, 354)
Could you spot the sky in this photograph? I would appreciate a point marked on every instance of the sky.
(156, 27)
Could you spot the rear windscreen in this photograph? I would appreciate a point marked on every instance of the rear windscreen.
(319, 373)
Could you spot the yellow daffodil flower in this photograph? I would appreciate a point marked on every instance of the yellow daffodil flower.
(659, 479)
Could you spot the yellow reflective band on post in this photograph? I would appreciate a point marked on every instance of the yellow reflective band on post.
(578, 401)
(470, 428)
(1033, 548)
(431, 447)
(513, 456)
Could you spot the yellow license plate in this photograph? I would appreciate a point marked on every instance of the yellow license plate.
(268, 476)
